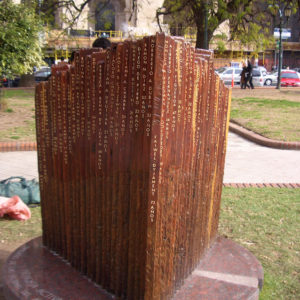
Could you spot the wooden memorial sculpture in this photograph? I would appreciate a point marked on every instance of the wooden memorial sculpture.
(131, 149)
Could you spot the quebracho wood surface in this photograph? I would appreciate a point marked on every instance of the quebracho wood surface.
(131, 149)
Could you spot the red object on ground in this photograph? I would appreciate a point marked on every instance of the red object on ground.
(15, 208)
(290, 78)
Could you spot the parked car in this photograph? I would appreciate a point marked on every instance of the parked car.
(261, 68)
(221, 70)
(226, 74)
(10, 82)
(271, 78)
(290, 78)
(258, 76)
(297, 70)
(42, 74)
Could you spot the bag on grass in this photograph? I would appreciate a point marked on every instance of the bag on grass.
(27, 190)
(15, 208)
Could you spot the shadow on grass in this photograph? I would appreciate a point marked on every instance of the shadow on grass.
(3, 257)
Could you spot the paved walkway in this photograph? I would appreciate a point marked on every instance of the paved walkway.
(246, 162)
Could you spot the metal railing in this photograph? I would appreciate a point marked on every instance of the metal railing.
(109, 33)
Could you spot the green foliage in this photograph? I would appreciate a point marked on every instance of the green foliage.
(221, 47)
(250, 20)
(220, 40)
(20, 42)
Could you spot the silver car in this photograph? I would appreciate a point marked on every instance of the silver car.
(271, 78)
(258, 77)
(227, 73)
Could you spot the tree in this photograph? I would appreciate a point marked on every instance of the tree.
(20, 39)
(249, 19)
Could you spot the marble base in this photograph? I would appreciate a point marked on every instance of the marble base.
(227, 271)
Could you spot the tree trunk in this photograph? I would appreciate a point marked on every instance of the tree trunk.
(199, 17)
(200, 13)
(200, 42)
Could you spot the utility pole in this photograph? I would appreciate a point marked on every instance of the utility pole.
(280, 51)
(205, 26)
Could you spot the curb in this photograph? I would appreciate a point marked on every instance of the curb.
(17, 146)
(262, 185)
(261, 140)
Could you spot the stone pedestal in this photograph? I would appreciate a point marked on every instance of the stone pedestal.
(226, 271)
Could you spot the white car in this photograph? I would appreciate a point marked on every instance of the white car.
(227, 73)
(271, 78)
(258, 76)
(261, 68)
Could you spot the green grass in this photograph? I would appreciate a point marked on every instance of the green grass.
(20, 94)
(270, 102)
(12, 231)
(266, 221)
(275, 119)
(25, 132)
(19, 105)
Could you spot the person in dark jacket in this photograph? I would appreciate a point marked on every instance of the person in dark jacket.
(249, 75)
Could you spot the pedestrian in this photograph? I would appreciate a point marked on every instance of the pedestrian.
(72, 57)
(249, 70)
(243, 77)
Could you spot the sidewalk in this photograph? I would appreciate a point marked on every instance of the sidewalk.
(246, 162)
(18, 163)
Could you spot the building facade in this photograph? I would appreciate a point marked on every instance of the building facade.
(130, 17)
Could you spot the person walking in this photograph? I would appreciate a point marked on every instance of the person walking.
(243, 77)
(249, 75)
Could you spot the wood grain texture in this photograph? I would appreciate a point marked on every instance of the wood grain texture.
(131, 151)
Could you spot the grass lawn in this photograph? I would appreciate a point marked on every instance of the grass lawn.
(11, 231)
(275, 119)
(265, 221)
(17, 115)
